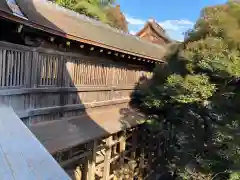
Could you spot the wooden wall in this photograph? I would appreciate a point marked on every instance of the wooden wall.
(43, 84)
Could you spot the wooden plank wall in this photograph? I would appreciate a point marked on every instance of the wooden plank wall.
(43, 84)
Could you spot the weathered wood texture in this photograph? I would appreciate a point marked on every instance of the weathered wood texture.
(22, 156)
(104, 161)
(42, 84)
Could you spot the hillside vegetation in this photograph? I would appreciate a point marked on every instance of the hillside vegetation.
(194, 99)
(102, 10)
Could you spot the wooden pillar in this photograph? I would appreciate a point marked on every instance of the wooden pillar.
(78, 173)
(134, 144)
(107, 158)
(122, 147)
(92, 161)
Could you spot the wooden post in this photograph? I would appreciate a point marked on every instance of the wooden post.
(107, 159)
(122, 150)
(92, 161)
(78, 173)
(134, 144)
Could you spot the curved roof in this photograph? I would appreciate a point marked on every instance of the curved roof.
(49, 17)
(157, 28)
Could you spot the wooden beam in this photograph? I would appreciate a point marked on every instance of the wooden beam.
(21, 91)
(107, 159)
(75, 159)
(55, 109)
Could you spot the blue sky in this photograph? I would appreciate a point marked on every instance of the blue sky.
(175, 16)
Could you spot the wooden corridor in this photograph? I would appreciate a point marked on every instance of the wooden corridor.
(70, 79)
(78, 108)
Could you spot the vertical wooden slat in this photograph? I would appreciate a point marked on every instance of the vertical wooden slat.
(8, 69)
(22, 63)
(46, 62)
(85, 73)
(1, 63)
(107, 158)
(11, 69)
(34, 69)
(60, 71)
(14, 60)
(80, 71)
(42, 70)
(94, 74)
(19, 73)
(4, 67)
(51, 72)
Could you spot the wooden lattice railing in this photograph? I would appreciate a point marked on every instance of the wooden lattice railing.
(42, 84)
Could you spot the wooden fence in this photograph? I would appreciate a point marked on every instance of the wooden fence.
(42, 84)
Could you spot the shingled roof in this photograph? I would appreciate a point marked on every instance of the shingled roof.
(51, 18)
(156, 28)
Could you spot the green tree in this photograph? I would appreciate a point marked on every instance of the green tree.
(195, 98)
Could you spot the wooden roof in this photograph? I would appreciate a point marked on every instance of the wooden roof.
(59, 21)
(63, 134)
(154, 26)
(22, 156)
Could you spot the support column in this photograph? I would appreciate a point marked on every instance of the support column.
(107, 158)
(77, 173)
(122, 150)
(134, 144)
(92, 162)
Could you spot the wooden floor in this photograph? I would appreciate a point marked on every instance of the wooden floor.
(22, 156)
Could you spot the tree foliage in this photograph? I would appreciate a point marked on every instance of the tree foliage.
(103, 10)
(116, 18)
(195, 99)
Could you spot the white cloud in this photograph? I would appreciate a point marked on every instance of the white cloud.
(176, 28)
(176, 25)
(135, 21)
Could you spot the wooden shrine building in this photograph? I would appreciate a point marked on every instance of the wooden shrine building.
(69, 78)
(154, 33)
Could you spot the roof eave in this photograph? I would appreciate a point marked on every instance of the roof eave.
(69, 36)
